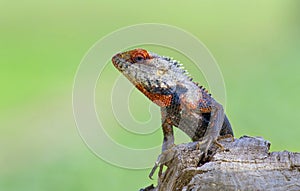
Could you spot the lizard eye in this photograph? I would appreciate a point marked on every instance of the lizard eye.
(139, 55)
(138, 58)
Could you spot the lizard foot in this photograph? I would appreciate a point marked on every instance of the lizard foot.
(162, 159)
(204, 144)
(226, 137)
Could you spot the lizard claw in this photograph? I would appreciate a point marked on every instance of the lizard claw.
(162, 159)
(206, 143)
(153, 169)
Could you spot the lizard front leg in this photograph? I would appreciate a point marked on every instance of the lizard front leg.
(168, 143)
(213, 129)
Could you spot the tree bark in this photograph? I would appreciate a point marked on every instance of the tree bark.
(245, 164)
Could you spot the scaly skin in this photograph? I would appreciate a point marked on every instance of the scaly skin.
(184, 104)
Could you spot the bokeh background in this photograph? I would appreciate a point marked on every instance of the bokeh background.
(256, 44)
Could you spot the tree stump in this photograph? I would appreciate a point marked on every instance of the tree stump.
(245, 164)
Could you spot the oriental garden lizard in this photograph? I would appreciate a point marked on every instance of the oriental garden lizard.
(184, 104)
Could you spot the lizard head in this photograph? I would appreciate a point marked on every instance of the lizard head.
(152, 74)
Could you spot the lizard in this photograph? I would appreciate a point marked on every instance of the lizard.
(183, 103)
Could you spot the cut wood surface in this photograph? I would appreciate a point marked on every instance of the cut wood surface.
(245, 164)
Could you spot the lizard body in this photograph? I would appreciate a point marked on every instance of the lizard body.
(184, 104)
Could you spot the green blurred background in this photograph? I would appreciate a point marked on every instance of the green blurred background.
(256, 44)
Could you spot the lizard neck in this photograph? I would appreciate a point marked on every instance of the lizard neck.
(159, 99)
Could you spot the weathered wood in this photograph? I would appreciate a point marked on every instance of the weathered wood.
(245, 164)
